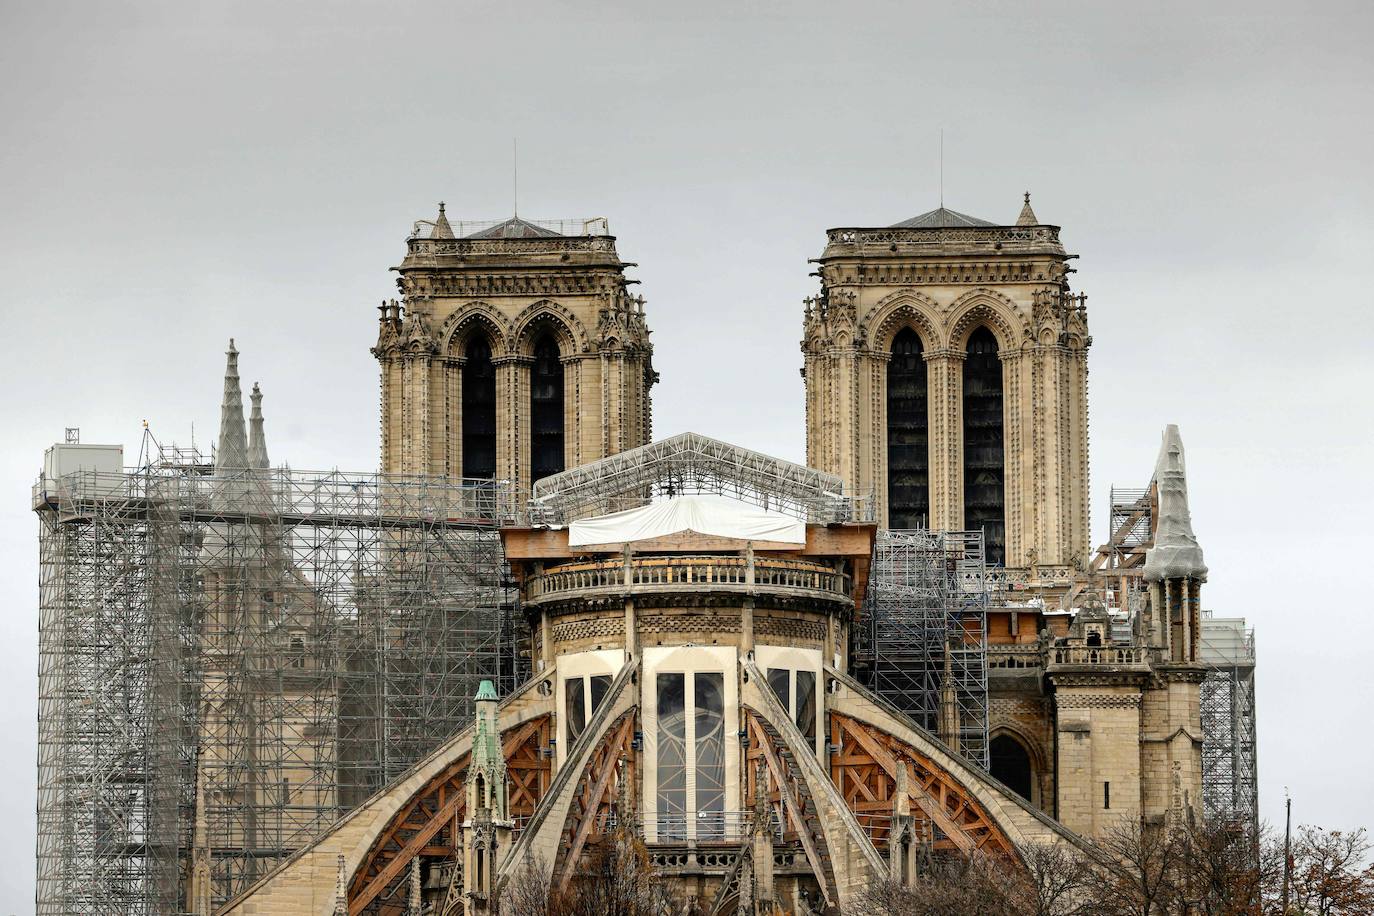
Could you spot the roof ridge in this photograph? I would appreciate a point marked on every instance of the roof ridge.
(941, 218)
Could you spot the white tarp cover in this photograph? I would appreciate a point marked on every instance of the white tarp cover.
(716, 516)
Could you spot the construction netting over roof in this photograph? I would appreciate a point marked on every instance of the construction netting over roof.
(716, 516)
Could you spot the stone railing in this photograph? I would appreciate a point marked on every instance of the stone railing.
(707, 573)
(430, 248)
(1116, 656)
(996, 238)
(1016, 657)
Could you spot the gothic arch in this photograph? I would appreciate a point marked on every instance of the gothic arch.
(567, 330)
(902, 309)
(459, 327)
(1034, 754)
(986, 308)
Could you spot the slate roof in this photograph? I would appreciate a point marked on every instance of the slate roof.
(941, 218)
(514, 228)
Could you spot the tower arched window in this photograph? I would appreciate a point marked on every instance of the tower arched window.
(546, 409)
(1010, 762)
(984, 462)
(908, 427)
(479, 410)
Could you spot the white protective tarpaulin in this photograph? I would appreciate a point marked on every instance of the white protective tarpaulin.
(715, 516)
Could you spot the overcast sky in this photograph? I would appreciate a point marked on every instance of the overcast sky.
(176, 174)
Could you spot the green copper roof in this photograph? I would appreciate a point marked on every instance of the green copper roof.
(486, 691)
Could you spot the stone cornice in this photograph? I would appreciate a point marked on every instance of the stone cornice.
(523, 283)
(1097, 701)
(1181, 672)
(988, 241)
(1097, 677)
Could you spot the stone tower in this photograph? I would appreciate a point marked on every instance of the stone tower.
(1128, 726)
(946, 372)
(517, 351)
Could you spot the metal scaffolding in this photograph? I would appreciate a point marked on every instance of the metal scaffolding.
(1230, 783)
(1131, 526)
(923, 643)
(692, 463)
(230, 662)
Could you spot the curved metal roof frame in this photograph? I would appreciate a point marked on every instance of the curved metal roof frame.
(693, 463)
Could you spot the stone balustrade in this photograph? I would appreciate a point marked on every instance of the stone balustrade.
(1016, 657)
(1115, 656)
(685, 573)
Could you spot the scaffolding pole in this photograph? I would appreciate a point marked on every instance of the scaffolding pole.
(923, 645)
(1230, 778)
(228, 664)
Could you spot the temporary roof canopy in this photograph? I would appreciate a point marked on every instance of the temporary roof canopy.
(709, 515)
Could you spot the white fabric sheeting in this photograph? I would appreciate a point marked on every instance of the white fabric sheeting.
(716, 516)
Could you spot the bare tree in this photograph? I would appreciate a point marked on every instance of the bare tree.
(1144, 884)
(977, 885)
(1331, 874)
(618, 879)
(1053, 880)
(1221, 869)
(527, 892)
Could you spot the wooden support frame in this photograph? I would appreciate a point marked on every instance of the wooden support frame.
(788, 806)
(429, 823)
(594, 792)
(870, 776)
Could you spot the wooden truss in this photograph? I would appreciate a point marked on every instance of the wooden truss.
(430, 823)
(787, 794)
(865, 771)
(596, 792)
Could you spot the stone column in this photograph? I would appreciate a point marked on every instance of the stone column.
(513, 423)
(946, 429)
(453, 415)
(1017, 461)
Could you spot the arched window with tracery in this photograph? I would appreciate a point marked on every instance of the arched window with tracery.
(984, 461)
(908, 428)
(546, 409)
(479, 410)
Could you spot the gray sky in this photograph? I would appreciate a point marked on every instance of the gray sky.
(176, 174)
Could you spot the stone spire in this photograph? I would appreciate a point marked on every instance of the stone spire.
(441, 230)
(1027, 217)
(231, 452)
(257, 440)
(1176, 553)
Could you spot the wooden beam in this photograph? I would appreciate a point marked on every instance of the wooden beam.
(408, 852)
(793, 809)
(934, 808)
(608, 768)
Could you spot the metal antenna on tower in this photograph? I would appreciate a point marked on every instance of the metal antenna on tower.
(515, 176)
(942, 168)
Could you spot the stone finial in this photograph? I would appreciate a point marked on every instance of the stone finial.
(1027, 217)
(257, 439)
(231, 450)
(341, 889)
(441, 230)
(1176, 553)
(763, 808)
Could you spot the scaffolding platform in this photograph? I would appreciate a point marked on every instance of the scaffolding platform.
(229, 663)
(923, 642)
(1230, 779)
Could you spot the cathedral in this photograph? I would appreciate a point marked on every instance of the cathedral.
(720, 648)
(538, 640)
